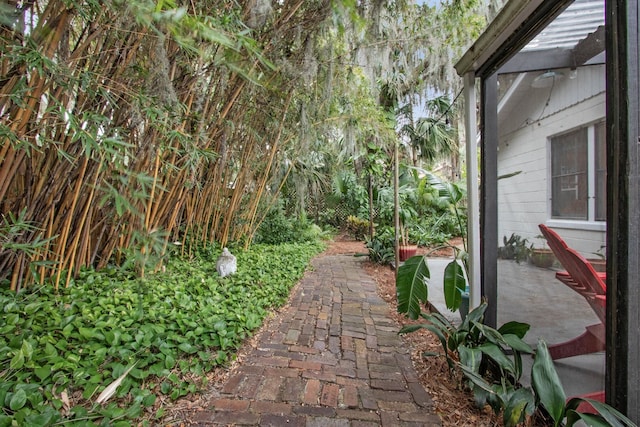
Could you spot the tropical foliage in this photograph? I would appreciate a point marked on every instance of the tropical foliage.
(491, 362)
(413, 275)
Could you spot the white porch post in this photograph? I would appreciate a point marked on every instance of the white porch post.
(473, 200)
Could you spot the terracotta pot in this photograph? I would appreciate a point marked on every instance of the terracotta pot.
(542, 258)
(407, 251)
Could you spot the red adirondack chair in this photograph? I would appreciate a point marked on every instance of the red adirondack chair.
(582, 278)
(559, 246)
(591, 285)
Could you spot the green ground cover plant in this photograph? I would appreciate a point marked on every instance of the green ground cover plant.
(63, 353)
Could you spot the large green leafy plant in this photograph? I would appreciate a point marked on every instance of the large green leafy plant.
(491, 362)
(278, 228)
(484, 352)
(381, 246)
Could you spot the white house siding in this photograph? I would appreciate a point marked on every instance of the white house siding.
(525, 126)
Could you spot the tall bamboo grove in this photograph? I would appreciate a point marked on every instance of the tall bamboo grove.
(129, 127)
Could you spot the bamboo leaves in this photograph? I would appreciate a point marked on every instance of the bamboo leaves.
(126, 126)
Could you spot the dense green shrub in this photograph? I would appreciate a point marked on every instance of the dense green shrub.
(330, 217)
(436, 227)
(381, 248)
(350, 195)
(357, 227)
(277, 228)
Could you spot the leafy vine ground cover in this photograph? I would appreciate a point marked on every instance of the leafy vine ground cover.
(59, 351)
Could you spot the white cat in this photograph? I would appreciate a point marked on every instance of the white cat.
(226, 263)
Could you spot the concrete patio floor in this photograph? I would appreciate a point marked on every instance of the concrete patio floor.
(556, 313)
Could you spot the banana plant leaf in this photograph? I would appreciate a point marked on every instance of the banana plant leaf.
(454, 285)
(411, 286)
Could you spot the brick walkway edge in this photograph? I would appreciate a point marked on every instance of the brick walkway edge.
(331, 358)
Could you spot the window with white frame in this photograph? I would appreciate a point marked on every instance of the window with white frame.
(578, 174)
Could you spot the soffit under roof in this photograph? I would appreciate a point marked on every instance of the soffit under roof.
(574, 37)
(580, 19)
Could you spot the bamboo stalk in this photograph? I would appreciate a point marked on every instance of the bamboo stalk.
(252, 231)
(45, 251)
(83, 257)
(292, 12)
(274, 150)
(16, 276)
(22, 116)
(233, 206)
(65, 231)
(73, 250)
(153, 190)
(234, 97)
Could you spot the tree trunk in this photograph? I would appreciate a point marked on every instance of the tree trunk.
(371, 210)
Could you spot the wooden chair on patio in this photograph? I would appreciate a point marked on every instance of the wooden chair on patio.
(582, 278)
(591, 285)
(559, 246)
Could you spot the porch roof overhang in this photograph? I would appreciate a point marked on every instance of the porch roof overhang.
(500, 31)
(515, 42)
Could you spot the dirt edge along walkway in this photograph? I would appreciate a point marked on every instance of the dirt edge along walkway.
(332, 357)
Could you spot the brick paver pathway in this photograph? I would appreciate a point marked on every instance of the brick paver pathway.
(332, 358)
